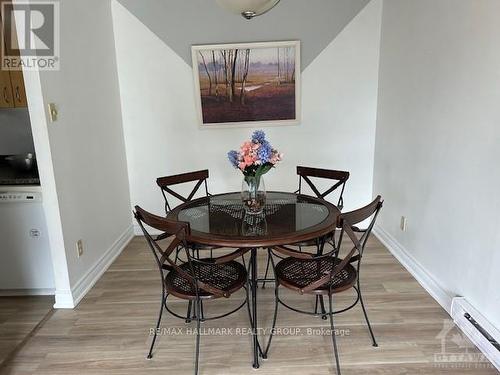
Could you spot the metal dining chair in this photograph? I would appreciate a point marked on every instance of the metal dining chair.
(196, 280)
(307, 176)
(337, 178)
(166, 184)
(327, 274)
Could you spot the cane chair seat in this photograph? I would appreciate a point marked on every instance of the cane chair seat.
(296, 274)
(228, 277)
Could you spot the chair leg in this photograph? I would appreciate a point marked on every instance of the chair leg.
(150, 354)
(267, 270)
(276, 304)
(322, 305)
(202, 313)
(197, 350)
(334, 339)
(374, 342)
(319, 300)
(188, 315)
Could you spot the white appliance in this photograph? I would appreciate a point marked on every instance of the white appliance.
(25, 260)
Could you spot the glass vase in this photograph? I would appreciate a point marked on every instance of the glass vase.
(253, 225)
(253, 194)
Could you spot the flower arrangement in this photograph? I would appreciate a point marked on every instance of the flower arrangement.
(256, 156)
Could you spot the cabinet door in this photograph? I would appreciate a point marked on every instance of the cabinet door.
(6, 97)
(12, 90)
(18, 92)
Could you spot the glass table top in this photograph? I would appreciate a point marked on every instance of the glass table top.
(224, 215)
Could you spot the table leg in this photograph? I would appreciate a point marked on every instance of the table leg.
(254, 309)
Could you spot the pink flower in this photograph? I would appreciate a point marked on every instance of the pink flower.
(249, 159)
(246, 148)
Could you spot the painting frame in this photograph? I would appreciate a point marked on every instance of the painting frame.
(196, 49)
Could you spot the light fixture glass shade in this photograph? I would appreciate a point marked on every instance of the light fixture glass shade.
(248, 8)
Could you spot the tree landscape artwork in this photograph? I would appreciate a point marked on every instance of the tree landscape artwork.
(247, 84)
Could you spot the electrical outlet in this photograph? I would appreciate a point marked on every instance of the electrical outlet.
(35, 233)
(53, 113)
(79, 248)
(403, 224)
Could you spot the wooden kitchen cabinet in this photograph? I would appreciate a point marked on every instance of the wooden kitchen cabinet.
(18, 91)
(6, 98)
(12, 91)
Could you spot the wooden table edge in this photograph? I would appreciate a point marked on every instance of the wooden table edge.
(318, 230)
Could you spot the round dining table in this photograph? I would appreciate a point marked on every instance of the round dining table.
(287, 218)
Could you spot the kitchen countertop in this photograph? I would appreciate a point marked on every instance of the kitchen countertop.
(10, 176)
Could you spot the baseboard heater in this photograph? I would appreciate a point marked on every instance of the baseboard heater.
(477, 328)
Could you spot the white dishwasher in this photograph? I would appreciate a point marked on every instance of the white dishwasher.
(25, 260)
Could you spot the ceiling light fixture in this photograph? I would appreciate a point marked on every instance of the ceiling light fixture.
(248, 8)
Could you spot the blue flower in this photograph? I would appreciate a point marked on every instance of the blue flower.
(258, 136)
(265, 152)
(233, 158)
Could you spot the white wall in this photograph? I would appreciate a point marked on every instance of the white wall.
(438, 137)
(162, 136)
(87, 154)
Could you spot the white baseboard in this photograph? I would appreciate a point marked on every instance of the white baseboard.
(459, 307)
(64, 299)
(27, 292)
(415, 268)
(70, 299)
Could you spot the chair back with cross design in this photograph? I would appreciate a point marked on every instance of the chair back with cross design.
(177, 229)
(208, 276)
(339, 179)
(348, 224)
(166, 185)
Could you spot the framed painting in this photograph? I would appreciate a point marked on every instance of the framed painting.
(247, 84)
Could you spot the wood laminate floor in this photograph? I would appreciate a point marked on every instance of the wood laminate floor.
(109, 332)
(19, 316)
